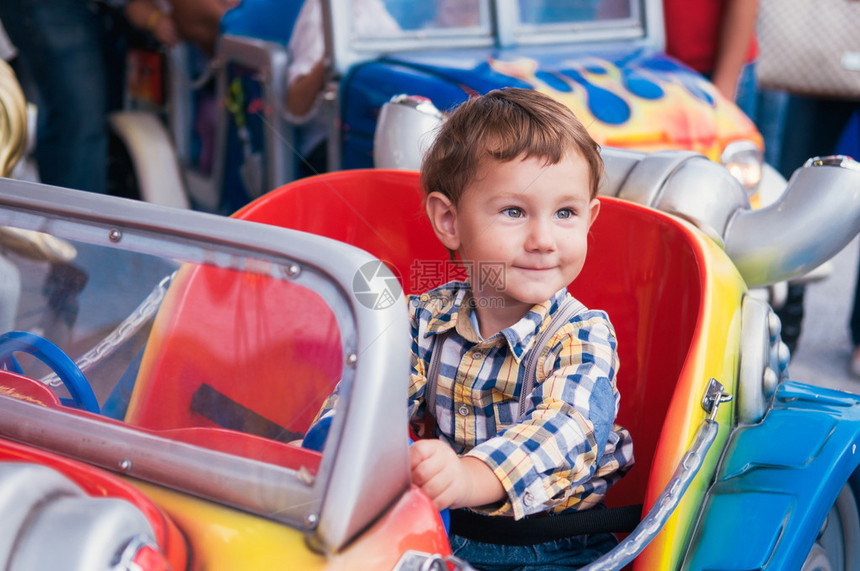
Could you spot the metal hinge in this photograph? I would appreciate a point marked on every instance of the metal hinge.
(714, 396)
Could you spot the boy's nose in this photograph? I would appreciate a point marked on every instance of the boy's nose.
(540, 237)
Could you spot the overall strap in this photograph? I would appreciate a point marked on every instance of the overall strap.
(569, 308)
(433, 374)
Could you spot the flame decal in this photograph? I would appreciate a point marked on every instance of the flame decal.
(642, 103)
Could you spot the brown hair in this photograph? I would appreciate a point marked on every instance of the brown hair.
(502, 125)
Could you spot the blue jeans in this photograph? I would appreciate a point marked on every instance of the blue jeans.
(770, 120)
(567, 553)
(813, 127)
(745, 97)
(62, 48)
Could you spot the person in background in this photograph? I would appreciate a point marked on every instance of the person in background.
(306, 74)
(63, 62)
(70, 59)
(717, 39)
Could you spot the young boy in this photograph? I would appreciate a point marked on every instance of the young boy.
(511, 184)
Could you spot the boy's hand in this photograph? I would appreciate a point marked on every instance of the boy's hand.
(451, 480)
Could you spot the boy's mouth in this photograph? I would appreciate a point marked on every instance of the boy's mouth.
(535, 268)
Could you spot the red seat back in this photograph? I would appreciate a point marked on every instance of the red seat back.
(237, 351)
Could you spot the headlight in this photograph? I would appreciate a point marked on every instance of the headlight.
(744, 161)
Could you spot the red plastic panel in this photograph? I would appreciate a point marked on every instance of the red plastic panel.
(27, 389)
(378, 211)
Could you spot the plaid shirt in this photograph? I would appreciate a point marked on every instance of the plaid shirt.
(565, 451)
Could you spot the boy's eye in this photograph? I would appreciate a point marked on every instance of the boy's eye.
(513, 212)
(565, 213)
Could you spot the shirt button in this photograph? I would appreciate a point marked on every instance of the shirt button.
(527, 499)
(463, 410)
(477, 355)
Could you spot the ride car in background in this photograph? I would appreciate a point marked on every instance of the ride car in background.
(603, 58)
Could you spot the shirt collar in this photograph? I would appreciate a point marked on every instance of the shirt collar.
(522, 334)
(455, 310)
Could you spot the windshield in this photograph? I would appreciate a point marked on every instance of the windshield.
(366, 29)
(217, 358)
(209, 344)
(392, 19)
(370, 27)
(556, 21)
(534, 12)
(436, 17)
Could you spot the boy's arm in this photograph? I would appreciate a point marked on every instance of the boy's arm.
(736, 31)
(565, 449)
(450, 480)
(306, 69)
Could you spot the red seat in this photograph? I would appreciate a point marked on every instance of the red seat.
(642, 269)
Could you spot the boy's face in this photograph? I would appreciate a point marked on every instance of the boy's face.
(521, 227)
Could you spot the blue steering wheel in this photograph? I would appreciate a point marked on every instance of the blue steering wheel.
(66, 369)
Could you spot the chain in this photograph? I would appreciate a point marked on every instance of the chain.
(123, 332)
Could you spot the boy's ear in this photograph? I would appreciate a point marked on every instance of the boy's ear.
(594, 208)
(443, 217)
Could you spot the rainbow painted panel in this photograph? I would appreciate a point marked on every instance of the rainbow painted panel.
(714, 352)
(224, 539)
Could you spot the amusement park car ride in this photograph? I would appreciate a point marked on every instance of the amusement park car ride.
(204, 345)
(158, 373)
